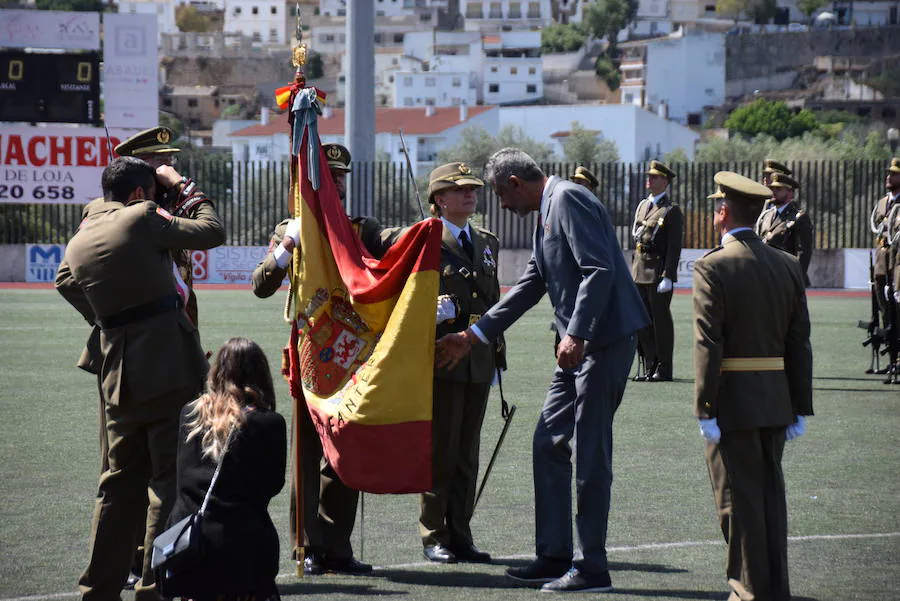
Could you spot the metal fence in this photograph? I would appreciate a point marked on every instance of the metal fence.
(252, 199)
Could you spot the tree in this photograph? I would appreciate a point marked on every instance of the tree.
(808, 7)
(561, 38)
(188, 18)
(772, 118)
(606, 18)
(515, 137)
(76, 5)
(587, 147)
(761, 11)
(676, 156)
(314, 68)
(476, 145)
(608, 72)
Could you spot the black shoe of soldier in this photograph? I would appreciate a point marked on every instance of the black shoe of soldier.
(131, 581)
(312, 565)
(470, 553)
(346, 565)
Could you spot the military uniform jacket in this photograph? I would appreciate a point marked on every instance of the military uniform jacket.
(268, 276)
(894, 250)
(791, 231)
(658, 231)
(475, 284)
(120, 259)
(750, 301)
(879, 219)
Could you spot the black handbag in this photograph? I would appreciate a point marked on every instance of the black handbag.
(181, 545)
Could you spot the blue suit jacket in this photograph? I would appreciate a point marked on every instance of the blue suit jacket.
(577, 260)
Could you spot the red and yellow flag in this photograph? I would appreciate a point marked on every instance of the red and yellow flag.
(362, 347)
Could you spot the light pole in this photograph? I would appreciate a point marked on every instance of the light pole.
(893, 136)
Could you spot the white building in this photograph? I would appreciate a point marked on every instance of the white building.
(163, 9)
(490, 15)
(677, 76)
(425, 11)
(328, 34)
(639, 135)
(263, 20)
(426, 131)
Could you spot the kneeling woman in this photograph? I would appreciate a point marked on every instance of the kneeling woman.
(235, 421)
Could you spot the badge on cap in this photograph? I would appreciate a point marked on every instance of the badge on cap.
(162, 136)
(334, 153)
(464, 169)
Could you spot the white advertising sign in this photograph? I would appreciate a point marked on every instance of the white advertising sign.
(54, 165)
(130, 59)
(686, 266)
(227, 264)
(50, 29)
(856, 268)
(42, 261)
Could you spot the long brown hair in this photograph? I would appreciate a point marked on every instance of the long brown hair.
(239, 380)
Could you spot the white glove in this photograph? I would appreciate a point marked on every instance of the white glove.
(709, 428)
(446, 308)
(797, 429)
(665, 286)
(293, 230)
(897, 296)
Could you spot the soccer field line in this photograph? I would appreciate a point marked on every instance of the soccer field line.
(619, 549)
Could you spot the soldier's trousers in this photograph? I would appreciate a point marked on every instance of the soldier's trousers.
(329, 506)
(447, 508)
(139, 482)
(748, 486)
(658, 339)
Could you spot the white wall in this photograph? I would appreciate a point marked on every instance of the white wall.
(266, 26)
(686, 73)
(507, 14)
(163, 9)
(432, 88)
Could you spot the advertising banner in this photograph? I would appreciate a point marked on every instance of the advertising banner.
(130, 63)
(227, 264)
(50, 29)
(686, 266)
(54, 165)
(42, 261)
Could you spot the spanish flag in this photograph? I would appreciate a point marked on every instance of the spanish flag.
(362, 345)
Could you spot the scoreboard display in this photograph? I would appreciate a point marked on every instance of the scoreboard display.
(50, 87)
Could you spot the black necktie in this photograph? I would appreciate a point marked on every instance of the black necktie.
(466, 245)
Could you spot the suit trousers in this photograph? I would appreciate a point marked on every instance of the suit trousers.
(329, 506)
(748, 486)
(142, 440)
(580, 404)
(447, 508)
(658, 339)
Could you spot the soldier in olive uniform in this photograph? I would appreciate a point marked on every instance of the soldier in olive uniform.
(329, 505)
(469, 287)
(891, 290)
(878, 221)
(770, 167)
(753, 387)
(658, 230)
(118, 273)
(784, 225)
(585, 178)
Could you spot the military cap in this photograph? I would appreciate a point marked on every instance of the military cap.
(895, 166)
(657, 168)
(450, 176)
(776, 167)
(582, 174)
(338, 157)
(739, 188)
(150, 141)
(780, 180)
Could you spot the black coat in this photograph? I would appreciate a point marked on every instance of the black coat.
(241, 552)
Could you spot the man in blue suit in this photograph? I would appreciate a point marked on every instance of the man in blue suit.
(597, 310)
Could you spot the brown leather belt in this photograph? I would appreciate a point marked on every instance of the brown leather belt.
(753, 364)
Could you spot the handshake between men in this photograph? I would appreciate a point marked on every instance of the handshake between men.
(452, 348)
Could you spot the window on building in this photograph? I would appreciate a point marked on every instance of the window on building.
(167, 102)
(424, 16)
(407, 101)
(327, 38)
(628, 98)
(493, 69)
(710, 8)
(377, 38)
(160, 10)
(342, 12)
(192, 103)
(407, 81)
(391, 79)
(379, 13)
(237, 10)
(273, 10)
(513, 70)
(515, 10)
(262, 150)
(430, 82)
(473, 10)
(255, 10)
(532, 70)
(694, 118)
(493, 88)
(534, 10)
(531, 88)
(457, 82)
(273, 35)
(495, 11)
(256, 37)
(429, 102)
(398, 38)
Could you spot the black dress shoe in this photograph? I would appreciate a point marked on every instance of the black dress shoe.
(540, 570)
(660, 377)
(471, 554)
(641, 378)
(312, 565)
(346, 565)
(131, 581)
(439, 554)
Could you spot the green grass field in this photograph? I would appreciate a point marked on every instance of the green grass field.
(664, 543)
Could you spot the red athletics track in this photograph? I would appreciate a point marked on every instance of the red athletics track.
(833, 292)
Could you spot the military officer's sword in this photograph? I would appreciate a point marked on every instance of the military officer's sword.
(412, 177)
(507, 412)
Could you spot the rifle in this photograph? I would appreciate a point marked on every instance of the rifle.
(876, 337)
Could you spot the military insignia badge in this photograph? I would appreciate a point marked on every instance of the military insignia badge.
(162, 137)
(464, 169)
(488, 258)
(334, 153)
(164, 214)
(547, 229)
